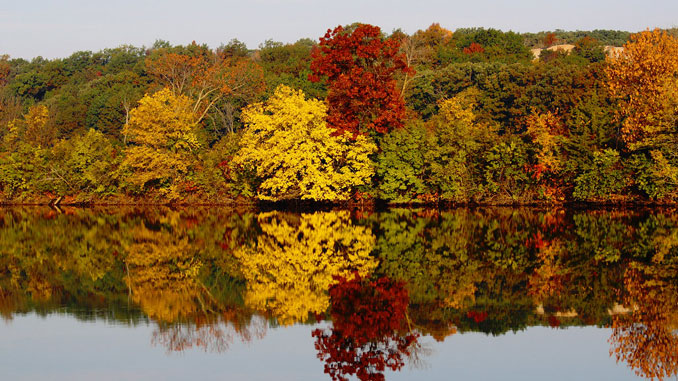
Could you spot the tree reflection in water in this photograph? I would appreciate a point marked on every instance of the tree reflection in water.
(208, 278)
(370, 329)
(293, 262)
(212, 336)
(647, 338)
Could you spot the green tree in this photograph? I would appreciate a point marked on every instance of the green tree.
(401, 165)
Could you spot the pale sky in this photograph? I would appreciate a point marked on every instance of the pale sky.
(57, 28)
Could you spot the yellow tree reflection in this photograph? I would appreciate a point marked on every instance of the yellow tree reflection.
(547, 278)
(162, 274)
(164, 262)
(297, 257)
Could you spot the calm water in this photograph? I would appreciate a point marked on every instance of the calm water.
(204, 293)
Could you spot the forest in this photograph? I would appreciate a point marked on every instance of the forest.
(471, 116)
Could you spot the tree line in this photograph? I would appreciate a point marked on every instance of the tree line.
(469, 116)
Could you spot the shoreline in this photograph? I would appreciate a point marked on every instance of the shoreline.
(375, 204)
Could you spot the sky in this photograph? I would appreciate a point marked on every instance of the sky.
(57, 28)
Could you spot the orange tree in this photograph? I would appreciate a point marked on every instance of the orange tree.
(359, 67)
(642, 79)
(207, 77)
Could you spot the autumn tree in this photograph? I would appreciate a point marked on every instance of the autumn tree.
(546, 132)
(296, 155)
(460, 139)
(643, 79)
(401, 165)
(360, 68)
(474, 48)
(162, 132)
(35, 128)
(421, 49)
(85, 164)
(290, 65)
(5, 70)
(430, 41)
(206, 77)
(550, 39)
(589, 48)
(640, 79)
(10, 109)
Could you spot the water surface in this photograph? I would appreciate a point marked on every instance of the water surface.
(208, 293)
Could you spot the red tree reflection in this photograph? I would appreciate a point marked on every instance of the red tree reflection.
(370, 329)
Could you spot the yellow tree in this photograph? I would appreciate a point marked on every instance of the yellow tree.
(293, 263)
(461, 137)
(162, 130)
(296, 155)
(641, 78)
(35, 128)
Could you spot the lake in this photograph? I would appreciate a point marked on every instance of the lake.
(396, 294)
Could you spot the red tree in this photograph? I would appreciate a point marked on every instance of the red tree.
(474, 48)
(359, 67)
(369, 331)
(550, 39)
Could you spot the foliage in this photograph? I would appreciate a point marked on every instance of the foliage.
(359, 67)
(656, 176)
(479, 44)
(606, 37)
(216, 82)
(640, 79)
(37, 130)
(460, 139)
(289, 64)
(202, 75)
(505, 171)
(22, 171)
(85, 164)
(546, 132)
(214, 173)
(602, 179)
(401, 165)
(162, 132)
(296, 155)
(589, 48)
(479, 121)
